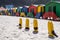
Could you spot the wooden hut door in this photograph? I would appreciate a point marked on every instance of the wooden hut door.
(54, 9)
(32, 10)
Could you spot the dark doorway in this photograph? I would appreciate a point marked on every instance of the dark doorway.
(32, 10)
(52, 9)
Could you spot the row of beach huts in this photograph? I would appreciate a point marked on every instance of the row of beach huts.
(49, 11)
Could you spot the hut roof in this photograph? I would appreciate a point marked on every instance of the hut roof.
(53, 3)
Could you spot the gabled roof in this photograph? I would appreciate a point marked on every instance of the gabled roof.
(53, 3)
(57, 1)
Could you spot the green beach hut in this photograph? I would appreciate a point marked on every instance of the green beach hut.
(53, 6)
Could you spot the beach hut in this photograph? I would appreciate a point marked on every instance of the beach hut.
(32, 9)
(14, 10)
(25, 9)
(53, 6)
(40, 10)
(2, 9)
